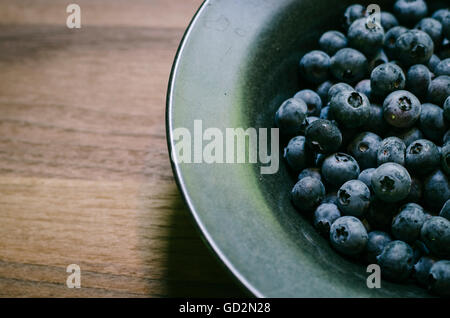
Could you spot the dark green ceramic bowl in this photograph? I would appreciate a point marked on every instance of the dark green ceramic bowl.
(235, 65)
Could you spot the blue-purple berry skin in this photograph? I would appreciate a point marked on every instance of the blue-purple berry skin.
(407, 224)
(414, 47)
(439, 90)
(435, 233)
(350, 108)
(392, 149)
(312, 100)
(421, 271)
(376, 243)
(290, 116)
(314, 66)
(436, 190)
(391, 182)
(307, 194)
(324, 217)
(339, 168)
(396, 261)
(348, 65)
(353, 198)
(418, 78)
(432, 122)
(348, 235)
(439, 278)
(401, 109)
(385, 79)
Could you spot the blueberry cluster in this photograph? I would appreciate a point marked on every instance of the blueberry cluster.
(369, 140)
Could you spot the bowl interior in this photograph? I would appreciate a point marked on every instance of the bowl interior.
(237, 63)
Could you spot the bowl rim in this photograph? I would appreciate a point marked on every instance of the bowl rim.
(205, 235)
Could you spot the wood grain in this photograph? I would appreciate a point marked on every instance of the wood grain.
(85, 176)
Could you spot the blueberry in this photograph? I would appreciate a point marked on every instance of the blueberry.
(422, 156)
(339, 168)
(447, 109)
(314, 66)
(332, 41)
(443, 68)
(385, 79)
(407, 224)
(352, 13)
(410, 135)
(348, 235)
(432, 122)
(366, 38)
(307, 194)
(308, 121)
(349, 65)
(433, 62)
(440, 14)
(409, 12)
(421, 270)
(439, 278)
(324, 216)
(436, 190)
(364, 149)
(296, 153)
(445, 211)
(376, 122)
(392, 149)
(312, 100)
(396, 261)
(445, 158)
(401, 109)
(390, 38)
(435, 234)
(414, 47)
(350, 108)
(439, 89)
(388, 20)
(433, 28)
(418, 78)
(364, 87)
(290, 116)
(380, 214)
(353, 198)
(415, 194)
(324, 137)
(310, 172)
(391, 182)
(366, 177)
(375, 245)
(322, 91)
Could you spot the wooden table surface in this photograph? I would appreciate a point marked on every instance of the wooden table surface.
(85, 177)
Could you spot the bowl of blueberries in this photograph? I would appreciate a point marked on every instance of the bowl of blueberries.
(358, 93)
